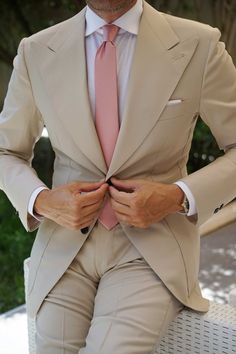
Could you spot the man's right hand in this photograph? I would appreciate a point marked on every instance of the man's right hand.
(75, 205)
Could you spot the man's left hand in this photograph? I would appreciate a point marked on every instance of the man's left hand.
(141, 203)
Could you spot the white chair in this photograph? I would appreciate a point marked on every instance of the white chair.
(190, 333)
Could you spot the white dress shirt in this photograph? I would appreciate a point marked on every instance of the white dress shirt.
(125, 44)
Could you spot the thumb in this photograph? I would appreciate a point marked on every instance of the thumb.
(127, 184)
(86, 186)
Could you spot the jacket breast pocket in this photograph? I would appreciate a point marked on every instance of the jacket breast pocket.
(175, 109)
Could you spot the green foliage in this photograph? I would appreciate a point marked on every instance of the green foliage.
(15, 245)
(21, 18)
(204, 148)
(15, 242)
(43, 160)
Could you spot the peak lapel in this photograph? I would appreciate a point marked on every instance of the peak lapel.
(65, 72)
(159, 62)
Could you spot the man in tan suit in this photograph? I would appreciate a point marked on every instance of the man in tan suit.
(103, 291)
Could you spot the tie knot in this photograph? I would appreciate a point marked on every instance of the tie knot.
(110, 32)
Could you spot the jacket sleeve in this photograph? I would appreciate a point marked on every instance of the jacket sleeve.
(215, 185)
(21, 126)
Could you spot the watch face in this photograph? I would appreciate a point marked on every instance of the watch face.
(185, 205)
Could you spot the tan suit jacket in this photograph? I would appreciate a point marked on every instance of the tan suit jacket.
(174, 59)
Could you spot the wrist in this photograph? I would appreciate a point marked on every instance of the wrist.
(179, 197)
(179, 194)
(182, 201)
(40, 202)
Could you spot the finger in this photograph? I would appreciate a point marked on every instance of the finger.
(80, 226)
(94, 196)
(120, 196)
(73, 224)
(86, 223)
(89, 209)
(83, 213)
(124, 219)
(83, 221)
(127, 220)
(128, 184)
(121, 208)
(86, 186)
(62, 222)
(92, 187)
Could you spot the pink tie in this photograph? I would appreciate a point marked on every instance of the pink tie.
(106, 107)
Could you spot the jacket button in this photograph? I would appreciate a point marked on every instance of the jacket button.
(85, 230)
(109, 182)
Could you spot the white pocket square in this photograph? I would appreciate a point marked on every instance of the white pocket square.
(174, 102)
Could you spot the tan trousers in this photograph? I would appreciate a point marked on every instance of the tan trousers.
(109, 301)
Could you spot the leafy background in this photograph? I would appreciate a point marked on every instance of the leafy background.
(20, 18)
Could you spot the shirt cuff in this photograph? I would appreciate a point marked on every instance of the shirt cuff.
(32, 202)
(189, 196)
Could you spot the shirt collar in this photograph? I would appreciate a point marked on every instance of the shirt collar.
(128, 22)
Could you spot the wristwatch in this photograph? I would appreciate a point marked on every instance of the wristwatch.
(185, 206)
